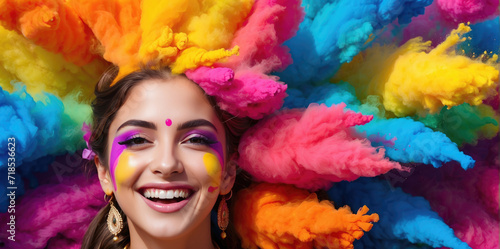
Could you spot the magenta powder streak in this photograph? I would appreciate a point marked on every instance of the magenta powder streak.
(116, 151)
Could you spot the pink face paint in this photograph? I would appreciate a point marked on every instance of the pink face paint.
(213, 143)
(116, 151)
(168, 122)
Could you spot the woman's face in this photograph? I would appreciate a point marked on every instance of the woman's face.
(166, 151)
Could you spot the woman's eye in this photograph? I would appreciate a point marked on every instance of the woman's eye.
(200, 140)
(133, 141)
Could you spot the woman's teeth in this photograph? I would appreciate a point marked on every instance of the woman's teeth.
(166, 194)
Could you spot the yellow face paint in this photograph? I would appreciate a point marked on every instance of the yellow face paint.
(123, 169)
(214, 170)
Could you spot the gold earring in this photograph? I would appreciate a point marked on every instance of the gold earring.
(223, 215)
(115, 221)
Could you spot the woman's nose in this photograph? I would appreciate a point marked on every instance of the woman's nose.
(166, 161)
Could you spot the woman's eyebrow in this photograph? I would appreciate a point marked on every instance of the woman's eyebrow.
(140, 123)
(196, 123)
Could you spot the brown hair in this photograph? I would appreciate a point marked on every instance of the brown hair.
(108, 100)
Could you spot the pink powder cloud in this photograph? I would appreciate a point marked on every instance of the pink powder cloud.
(311, 148)
(56, 214)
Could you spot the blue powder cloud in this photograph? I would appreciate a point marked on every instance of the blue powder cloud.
(41, 129)
(485, 37)
(334, 31)
(403, 218)
(414, 142)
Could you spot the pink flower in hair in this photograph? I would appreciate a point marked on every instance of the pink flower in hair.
(87, 153)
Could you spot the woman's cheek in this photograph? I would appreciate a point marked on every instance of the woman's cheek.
(214, 170)
(124, 169)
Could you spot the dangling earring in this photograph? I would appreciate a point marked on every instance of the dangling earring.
(115, 221)
(223, 215)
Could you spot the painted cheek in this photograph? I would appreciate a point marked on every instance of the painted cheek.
(217, 147)
(214, 170)
(123, 170)
(116, 151)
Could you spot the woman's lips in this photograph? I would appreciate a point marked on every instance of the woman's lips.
(166, 207)
(161, 192)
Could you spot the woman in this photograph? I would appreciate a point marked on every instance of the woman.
(164, 156)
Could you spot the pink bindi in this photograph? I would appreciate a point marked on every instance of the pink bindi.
(168, 122)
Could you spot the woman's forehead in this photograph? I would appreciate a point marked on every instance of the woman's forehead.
(177, 99)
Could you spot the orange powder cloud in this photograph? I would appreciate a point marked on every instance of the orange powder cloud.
(51, 24)
(181, 34)
(282, 216)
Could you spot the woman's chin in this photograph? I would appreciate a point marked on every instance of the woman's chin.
(169, 221)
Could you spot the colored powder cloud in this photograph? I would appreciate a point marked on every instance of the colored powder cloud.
(43, 71)
(484, 180)
(53, 25)
(208, 25)
(411, 81)
(430, 26)
(484, 38)
(488, 186)
(402, 216)
(404, 139)
(214, 169)
(439, 19)
(469, 204)
(333, 32)
(462, 199)
(414, 142)
(187, 35)
(263, 94)
(261, 37)
(43, 215)
(41, 129)
(181, 34)
(116, 29)
(462, 11)
(464, 123)
(281, 216)
(311, 148)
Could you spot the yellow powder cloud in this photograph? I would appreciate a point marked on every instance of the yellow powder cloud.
(415, 79)
(181, 34)
(41, 70)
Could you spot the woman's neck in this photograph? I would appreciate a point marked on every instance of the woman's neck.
(198, 238)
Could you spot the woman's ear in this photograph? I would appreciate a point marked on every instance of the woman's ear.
(228, 177)
(104, 177)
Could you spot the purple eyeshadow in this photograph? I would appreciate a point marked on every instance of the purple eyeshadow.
(117, 149)
(216, 146)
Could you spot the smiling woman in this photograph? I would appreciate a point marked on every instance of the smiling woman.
(163, 155)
